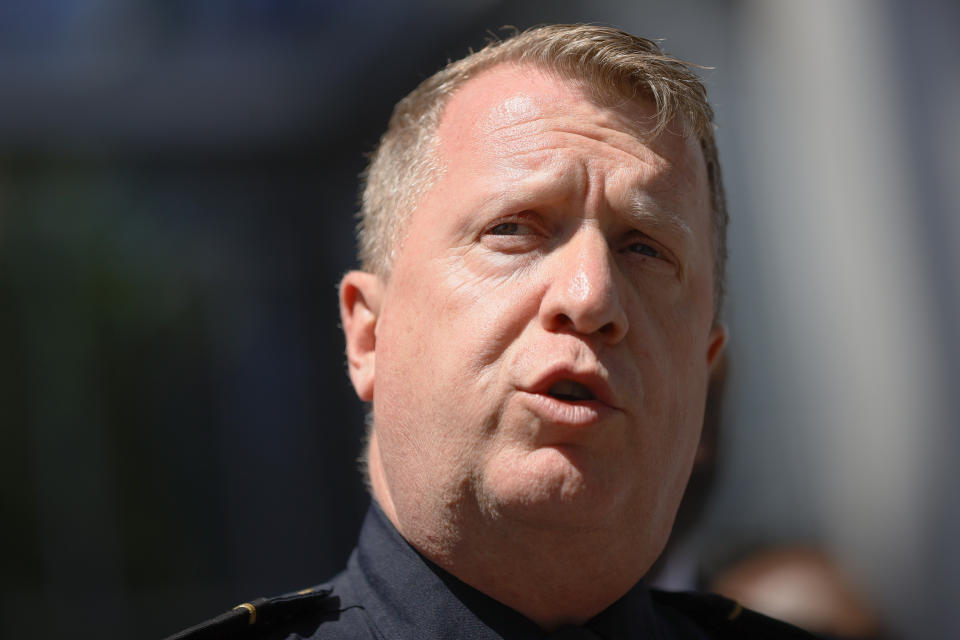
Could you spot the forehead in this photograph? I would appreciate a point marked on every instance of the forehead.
(510, 112)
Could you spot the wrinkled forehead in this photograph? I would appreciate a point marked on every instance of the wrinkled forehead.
(500, 107)
(541, 100)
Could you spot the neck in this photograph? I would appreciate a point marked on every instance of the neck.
(552, 577)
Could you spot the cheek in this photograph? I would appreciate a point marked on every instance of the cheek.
(669, 344)
(486, 314)
(442, 342)
(673, 324)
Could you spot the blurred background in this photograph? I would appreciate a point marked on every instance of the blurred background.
(177, 187)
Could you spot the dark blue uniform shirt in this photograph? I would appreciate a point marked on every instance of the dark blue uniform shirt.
(390, 592)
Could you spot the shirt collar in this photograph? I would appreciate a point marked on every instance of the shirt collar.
(407, 596)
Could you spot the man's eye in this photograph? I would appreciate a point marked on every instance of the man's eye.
(507, 229)
(644, 249)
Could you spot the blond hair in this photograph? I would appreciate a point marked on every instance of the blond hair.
(612, 64)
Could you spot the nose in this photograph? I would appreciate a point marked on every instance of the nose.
(582, 295)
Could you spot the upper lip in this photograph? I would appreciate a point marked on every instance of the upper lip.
(596, 383)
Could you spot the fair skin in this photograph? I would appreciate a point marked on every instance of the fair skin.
(538, 358)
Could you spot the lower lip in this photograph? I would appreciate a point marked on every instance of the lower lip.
(579, 414)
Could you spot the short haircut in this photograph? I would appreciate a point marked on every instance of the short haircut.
(612, 64)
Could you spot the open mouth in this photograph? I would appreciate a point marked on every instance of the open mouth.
(570, 391)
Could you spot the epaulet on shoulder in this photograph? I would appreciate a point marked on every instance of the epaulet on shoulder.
(725, 618)
(260, 614)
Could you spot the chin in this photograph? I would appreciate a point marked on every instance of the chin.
(552, 486)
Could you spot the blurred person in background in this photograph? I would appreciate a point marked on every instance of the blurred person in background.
(535, 325)
(801, 584)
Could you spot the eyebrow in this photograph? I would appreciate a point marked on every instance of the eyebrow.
(642, 208)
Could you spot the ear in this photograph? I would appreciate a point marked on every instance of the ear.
(718, 338)
(360, 295)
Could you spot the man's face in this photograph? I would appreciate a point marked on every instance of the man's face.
(542, 346)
